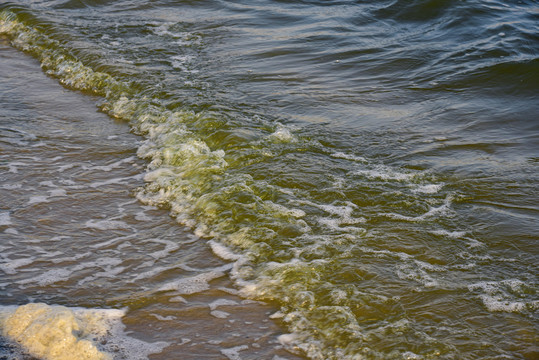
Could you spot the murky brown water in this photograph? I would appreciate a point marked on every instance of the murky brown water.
(74, 235)
(368, 168)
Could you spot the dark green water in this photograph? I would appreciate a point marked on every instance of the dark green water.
(369, 169)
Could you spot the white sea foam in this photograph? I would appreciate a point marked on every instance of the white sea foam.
(282, 134)
(164, 318)
(108, 264)
(432, 212)
(178, 298)
(408, 355)
(11, 186)
(505, 295)
(109, 272)
(13, 166)
(112, 166)
(219, 314)
(38, 199)
(53, 332)
(193, 284)
(277, 315)
(155, 270)
(233, 353)
(385, 173)
(221, 302)
(11, 231)
(170, 247)
(428, 189)
(5, 219)
(48, 277)
(407, 271)
(66, 167)
(141, 216)
(182, 63)
(47, 183)
(450, 234)
(297, 213)
(340, 215)
(106, 224)
(120, 180)
(10, 266)
(222, 251)
(57, 192)
(287, 339)
(341, 155)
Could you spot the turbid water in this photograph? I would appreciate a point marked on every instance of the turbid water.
(269, 179)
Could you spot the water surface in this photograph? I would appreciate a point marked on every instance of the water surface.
(369, 170)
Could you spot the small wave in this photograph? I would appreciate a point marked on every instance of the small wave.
(506, 295)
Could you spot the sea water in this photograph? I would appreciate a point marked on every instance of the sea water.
(324, 180)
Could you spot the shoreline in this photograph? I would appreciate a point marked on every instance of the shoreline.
(77, 169)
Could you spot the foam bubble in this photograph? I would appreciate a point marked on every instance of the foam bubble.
(53, 332)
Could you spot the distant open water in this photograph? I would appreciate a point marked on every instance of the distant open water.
(369, 169)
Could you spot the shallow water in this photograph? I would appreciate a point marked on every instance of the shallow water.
(369, 170)
(73, 233)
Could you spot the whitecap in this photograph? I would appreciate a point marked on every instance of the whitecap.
(222, 251)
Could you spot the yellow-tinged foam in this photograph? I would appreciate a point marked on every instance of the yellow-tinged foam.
(55, 332)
